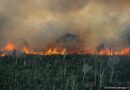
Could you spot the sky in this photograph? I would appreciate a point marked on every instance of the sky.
(37, 23)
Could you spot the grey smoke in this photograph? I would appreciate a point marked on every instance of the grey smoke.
(64, 6)
(41, 22)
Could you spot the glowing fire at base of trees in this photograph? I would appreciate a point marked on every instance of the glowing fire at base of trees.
(55, 51)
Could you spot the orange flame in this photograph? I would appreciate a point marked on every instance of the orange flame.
(55, 51)
(9, 47)
(26, 50)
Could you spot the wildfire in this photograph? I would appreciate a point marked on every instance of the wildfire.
(55, 51)
(9, 47)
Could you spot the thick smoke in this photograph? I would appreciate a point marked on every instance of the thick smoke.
(64, 6)
(38, 23)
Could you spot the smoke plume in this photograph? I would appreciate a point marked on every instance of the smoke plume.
(37, 23)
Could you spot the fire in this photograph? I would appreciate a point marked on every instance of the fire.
(106, 52)
(55, 51)
(26, 50)
(9, 47)
(110, 52)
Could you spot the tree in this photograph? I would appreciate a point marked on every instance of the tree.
(113, 60)
(85, 70)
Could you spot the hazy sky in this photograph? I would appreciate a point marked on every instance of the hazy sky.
(39, 22)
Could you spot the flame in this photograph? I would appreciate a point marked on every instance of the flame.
(110, 52)
(26, 50)
(9, 47)
(55, 51)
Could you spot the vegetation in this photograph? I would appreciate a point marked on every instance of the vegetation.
(70, 72)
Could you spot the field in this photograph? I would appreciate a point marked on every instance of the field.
(67, 72)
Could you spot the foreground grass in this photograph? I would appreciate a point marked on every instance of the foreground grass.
(71, 72)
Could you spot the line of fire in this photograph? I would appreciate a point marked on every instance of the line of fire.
(68, 44)
(10, 48)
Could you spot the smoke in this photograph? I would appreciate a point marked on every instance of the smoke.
(64, 6)
(40, 22)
